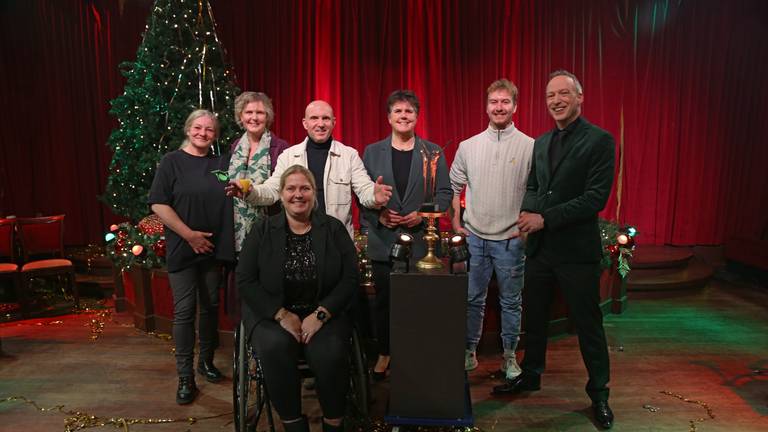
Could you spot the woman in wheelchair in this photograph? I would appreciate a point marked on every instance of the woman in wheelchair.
(298, 279)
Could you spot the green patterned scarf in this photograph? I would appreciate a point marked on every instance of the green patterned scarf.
(257, 171)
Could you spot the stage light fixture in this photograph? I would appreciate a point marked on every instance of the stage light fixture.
(401, 252)
(458, 254)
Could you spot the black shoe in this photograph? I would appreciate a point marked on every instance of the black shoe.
(187, 390)
(209, 371)
(521, 383)
(603, 414)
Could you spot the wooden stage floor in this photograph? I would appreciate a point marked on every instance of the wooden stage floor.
(708, 345)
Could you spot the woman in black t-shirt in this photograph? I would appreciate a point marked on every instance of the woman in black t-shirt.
(189, 198)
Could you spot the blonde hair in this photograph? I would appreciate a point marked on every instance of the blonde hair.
(298, 169)
(504, 84)
(247, 97)
(196, 114)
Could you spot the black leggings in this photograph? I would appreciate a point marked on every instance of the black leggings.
(327, 356)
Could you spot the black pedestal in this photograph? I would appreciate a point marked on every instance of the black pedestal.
(427, 339)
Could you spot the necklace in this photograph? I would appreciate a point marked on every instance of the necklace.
(303, 231)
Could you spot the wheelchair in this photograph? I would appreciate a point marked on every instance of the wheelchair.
(251, 398)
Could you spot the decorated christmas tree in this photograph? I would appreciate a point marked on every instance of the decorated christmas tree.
(180, 66)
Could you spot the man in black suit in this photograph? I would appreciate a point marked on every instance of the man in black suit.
(570, 181)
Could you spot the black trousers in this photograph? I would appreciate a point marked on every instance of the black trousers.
(381, 270)
(580, 284)
(327, 355)
(199, 282)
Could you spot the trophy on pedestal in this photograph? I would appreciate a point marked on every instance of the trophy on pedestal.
(430, 209)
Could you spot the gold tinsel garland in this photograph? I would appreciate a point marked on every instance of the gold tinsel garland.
(692, 423)
(79, 420)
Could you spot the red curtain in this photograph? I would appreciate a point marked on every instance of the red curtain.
(680, 84)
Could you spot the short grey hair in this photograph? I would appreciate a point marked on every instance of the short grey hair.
(565, 73)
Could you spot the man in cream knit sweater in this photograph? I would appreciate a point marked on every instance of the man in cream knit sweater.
(494, 166)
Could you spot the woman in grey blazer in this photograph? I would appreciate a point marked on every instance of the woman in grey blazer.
(398, 159)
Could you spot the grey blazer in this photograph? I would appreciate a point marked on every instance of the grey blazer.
(378, 162)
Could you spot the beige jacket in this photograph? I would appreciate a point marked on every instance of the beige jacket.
(344, 173)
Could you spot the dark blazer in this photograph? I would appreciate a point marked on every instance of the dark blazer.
(260, 268)
(570, 197)
(378, 162)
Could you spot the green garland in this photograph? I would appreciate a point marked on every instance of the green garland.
(610, 232)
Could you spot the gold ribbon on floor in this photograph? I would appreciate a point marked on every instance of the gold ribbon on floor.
(79, 420)
(702, 404)
(379, 425)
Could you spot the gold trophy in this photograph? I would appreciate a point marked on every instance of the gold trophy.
(429, 209)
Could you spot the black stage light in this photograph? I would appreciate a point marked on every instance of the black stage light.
(401, 252)
(458, 253)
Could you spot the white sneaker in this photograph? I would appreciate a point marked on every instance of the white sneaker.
(470, 360)
(510, 367)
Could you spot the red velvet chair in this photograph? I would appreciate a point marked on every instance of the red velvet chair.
(8, 253)
(45, 236)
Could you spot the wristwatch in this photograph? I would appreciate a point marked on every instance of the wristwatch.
(321, 315)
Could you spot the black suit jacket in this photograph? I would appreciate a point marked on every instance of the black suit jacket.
(570, 196)
(260, 268)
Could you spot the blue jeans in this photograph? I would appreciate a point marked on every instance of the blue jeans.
(507, 258)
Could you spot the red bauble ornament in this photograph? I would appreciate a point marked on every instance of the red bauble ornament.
(159, 248)
(613, 249)
(119, 245)
(122, 235)
(151, 225)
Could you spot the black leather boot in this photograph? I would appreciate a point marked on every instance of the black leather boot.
(298, 426)
(187, 390)
(209, 371)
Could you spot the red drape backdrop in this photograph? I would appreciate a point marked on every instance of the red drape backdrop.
(681, 85)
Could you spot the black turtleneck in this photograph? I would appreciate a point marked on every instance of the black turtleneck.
(317, 155)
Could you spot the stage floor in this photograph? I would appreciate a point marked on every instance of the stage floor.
(709, 346)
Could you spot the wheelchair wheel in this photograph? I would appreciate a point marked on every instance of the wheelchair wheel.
(359, 388)
(248, 395)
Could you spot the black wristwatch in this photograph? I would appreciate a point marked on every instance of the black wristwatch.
(321, 315)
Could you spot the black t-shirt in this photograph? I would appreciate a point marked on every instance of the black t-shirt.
(401, 169)
(185, 183)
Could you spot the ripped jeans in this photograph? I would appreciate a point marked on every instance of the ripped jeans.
(507, 258)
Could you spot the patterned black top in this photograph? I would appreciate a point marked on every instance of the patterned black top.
(300, 270)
